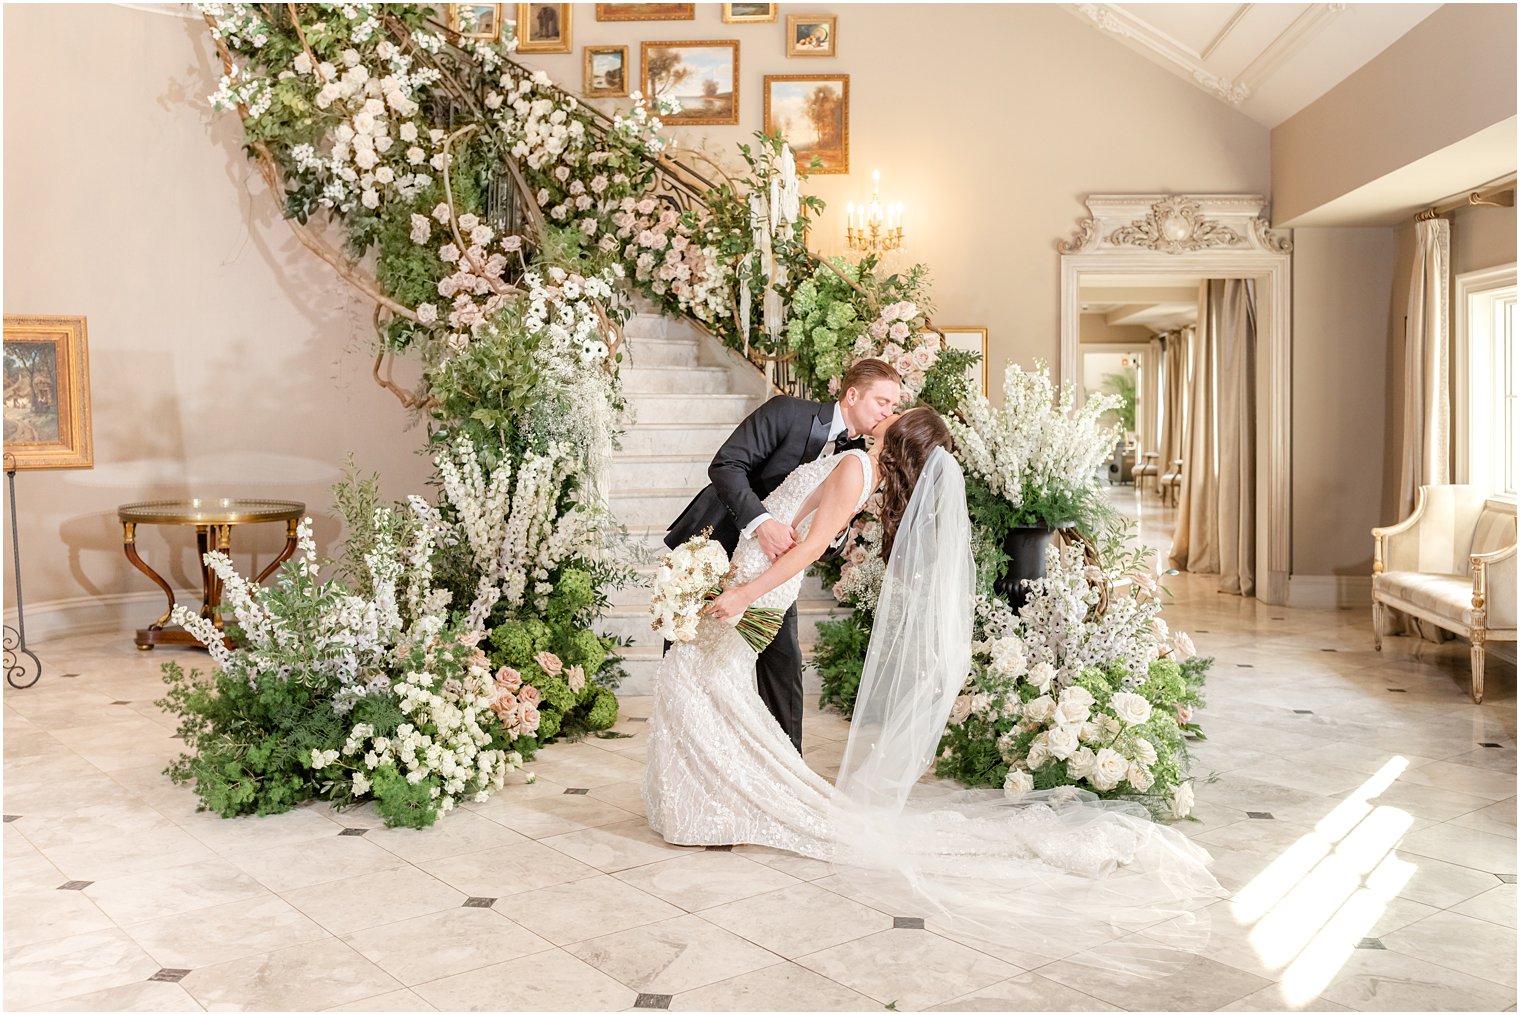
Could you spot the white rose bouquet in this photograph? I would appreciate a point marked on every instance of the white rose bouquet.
(688, 578)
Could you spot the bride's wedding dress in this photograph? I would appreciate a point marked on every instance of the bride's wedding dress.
(1059, 866)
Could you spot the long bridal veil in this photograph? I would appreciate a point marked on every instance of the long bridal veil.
(1051, 875)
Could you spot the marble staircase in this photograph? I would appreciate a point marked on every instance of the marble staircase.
(686, 392)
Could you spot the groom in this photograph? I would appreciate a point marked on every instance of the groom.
(774, 440)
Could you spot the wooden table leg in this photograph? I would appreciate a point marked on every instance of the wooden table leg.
(129, 545)
(285, 554)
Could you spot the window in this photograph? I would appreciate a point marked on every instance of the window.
(1488, 431)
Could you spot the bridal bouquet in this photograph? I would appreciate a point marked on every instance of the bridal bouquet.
(689, 577)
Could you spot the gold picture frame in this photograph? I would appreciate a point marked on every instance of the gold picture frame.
(600, 79)
(811, 124)
(748, 14)
(47, 393)
(486, 26)
(812, 35)
(714, 61)
(646, 12)
(544, 28)
(969, 339)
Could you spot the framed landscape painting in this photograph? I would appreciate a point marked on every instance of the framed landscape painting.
(739, 14)
(702, 76)
(606, 72)
(812, 111)
(543, 28)
(476, 21)
(970, 340)
(646, 12)
(811, 34)
(47, 394)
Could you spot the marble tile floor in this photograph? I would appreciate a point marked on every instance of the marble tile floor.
(1360, 809)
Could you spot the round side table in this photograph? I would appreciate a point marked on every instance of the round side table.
(213, 519)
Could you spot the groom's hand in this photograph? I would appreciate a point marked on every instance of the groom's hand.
(775, 538)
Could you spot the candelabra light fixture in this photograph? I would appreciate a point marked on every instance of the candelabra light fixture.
(874, 228)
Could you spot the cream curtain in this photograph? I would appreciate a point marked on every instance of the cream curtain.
(1173, 397)
(1427, 407)
(1148, 414)
(1216, 515)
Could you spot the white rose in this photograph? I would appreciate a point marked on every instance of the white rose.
(1071, 713)
(408, 132)
(1062, 741)
(1131, 708)
(386, 175)
(1078, 694)
(1040, 710)
(1090, 731)
(1041, 674)
(1139, 776)
(1109, 768)
(1184, 646)
(1158, 628)
(1017, 784)
(1080, 764)
(1145, 752)
(1039, 751)
(961, 710)
(370, 199)
(980, 703)
(1182, 800)
(426, 313)
(302, 63)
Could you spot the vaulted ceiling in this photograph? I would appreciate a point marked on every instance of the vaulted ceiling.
(1269, 60)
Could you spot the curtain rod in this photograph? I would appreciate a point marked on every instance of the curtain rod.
(1483, 198)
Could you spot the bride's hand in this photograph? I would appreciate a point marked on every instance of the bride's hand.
(728, 605)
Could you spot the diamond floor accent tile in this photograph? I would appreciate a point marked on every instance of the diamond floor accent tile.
(169, 975)
(477, 902)
(67, 676)
(660, 1002)
(1245, 666)
(354, 831)
(1302, 711)
(1371, 942)
(1398, 690)
(908, 923)
(576, 791)
(1261, 815)
(639, 718)
(1329, 650)
(121, 703)
(1485, 744)
(11, 817)
(74, 886)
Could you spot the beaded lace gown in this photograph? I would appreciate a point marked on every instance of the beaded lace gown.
(1056, 870)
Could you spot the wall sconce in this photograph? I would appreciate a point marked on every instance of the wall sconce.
(873, 228)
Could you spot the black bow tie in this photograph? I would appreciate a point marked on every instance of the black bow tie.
(844, 442)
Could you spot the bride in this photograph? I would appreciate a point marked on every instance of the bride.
(721, 771)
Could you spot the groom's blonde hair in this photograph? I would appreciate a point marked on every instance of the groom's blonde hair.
(865, 372)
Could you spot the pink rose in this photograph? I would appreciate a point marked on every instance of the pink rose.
(505, 706)
(1184, 646)
(529, 695)
(576, 677)
(508, 679)
(529, 720)
(549, 663)
(478, 660)
(1184, 715)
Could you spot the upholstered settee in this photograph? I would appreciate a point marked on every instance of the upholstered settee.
(1451, 563)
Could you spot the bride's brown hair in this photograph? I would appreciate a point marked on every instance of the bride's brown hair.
(905, 449)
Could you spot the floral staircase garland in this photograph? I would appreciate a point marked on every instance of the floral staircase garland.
(499, 222)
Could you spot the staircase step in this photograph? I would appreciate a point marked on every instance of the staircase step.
(649, 509)
(676, 380)
(631, 472)
(673, 439)
(661, 352)
(692, 409)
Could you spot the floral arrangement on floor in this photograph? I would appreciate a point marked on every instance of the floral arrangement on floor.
(1076, 691)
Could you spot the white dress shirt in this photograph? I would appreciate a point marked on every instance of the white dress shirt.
(836, 428)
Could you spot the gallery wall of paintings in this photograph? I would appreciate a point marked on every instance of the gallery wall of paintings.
(748, 66)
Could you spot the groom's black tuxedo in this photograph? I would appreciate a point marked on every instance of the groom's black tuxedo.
(773, 441)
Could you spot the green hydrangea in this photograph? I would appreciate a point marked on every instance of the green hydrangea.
(586, 649)
(604, 711)
(548, 725)
(513, 644)
(840, 314)
(540, 633)
(555, 691)
(575, 589)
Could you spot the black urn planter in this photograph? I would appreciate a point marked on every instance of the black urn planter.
(1024, 546)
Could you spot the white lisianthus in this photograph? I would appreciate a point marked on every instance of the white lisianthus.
(1140, 777)
(1109, 769)
(1182, 800)
(1017, 784)
(1062, 742)
(1131, 708)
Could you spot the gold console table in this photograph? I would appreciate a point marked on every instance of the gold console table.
(213, 519)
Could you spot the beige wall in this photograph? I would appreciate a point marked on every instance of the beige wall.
(1481, 238)
(1449, 77)
(1341, 285)
(226, 360)
(1094, 329)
